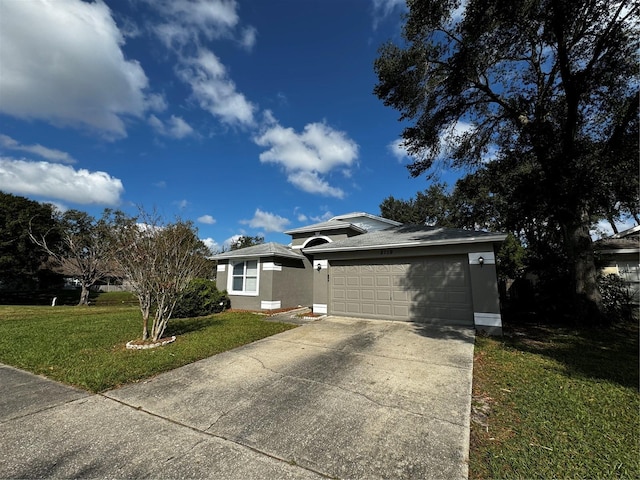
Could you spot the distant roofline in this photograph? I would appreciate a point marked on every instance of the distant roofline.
(626, 232)
(368, 215)
(324, 226)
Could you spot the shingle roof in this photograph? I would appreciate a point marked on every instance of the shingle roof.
(408, 236)
(270, 249)
(366, 215)
(323, 226)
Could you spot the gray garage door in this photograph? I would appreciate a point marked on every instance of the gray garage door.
(425, 289)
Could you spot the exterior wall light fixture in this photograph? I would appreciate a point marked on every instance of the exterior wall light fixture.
(480, 261)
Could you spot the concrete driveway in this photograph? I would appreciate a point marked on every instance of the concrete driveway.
(340, 398)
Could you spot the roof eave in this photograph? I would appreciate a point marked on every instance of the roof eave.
(486, 239)
(324, 229)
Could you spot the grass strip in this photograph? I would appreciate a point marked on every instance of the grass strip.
(556, 403)
(85, 346)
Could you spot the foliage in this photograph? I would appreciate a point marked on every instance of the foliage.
(159, 260)
(86, 347)
(19, 261)
(200, 298)
(471, 206)
(84, 250)
(616, 298)
(246, 241)
(556, 403)
(542, 94)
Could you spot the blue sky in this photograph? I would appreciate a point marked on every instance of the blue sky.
(246, 117)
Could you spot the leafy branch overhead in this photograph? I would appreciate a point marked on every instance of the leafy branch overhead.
(541, 94)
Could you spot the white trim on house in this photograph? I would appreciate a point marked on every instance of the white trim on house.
(311, 239)
(488, 257)
(221, 267)
(324, 264)
(270, 305)
(243, 292)
(272, 266)
(319, 308)
(487, 319)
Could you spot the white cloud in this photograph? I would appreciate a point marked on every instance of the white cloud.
(60, 182)
(181, 204)
(175, 127)
(207, 219)
(268, 221)
(211, 244)
(185, 19)
(231, 241)
(62, 62)
(214, 91)
(384, 8)
(323, 218)
(311, 182)
(397, 150)
(248, 39)
(37, 149)
(316, 150)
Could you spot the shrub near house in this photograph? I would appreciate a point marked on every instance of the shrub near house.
(200, 298)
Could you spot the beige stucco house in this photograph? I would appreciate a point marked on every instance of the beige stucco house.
(362, 265)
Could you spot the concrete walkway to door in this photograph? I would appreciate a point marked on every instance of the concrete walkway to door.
(339, 398)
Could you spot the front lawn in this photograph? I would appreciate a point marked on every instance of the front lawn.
(556, 403)
(85, 346)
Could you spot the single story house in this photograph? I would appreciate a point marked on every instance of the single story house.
(362, 265)
(619, 254)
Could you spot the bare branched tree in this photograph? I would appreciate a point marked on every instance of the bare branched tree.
(84, 250)
(159, 260)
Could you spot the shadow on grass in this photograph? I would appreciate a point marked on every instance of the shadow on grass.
(181, 326)
(609, 354)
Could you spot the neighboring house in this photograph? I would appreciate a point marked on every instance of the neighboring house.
(620, 254)
(362, 265)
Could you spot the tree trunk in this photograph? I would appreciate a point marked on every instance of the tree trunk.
(84, 295)
(588, 300)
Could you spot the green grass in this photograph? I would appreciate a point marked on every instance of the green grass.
(556, 403)
(85, 346)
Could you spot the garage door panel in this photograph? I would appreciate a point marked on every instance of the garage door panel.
(433, 289)
(368, 295)
(353, 295)
(367, 281)
(369, 308)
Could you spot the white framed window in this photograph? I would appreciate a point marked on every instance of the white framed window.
(243, 278)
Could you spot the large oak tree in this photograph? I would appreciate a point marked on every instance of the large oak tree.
(546, 89)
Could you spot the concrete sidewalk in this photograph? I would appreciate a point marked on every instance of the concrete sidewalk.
(339, 397)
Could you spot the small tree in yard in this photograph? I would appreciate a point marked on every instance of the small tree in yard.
(159, 260)
(82, 250)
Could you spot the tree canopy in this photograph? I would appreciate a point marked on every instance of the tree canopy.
(84, 250)
(20, 260)
(159, 260)
(542, 94)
